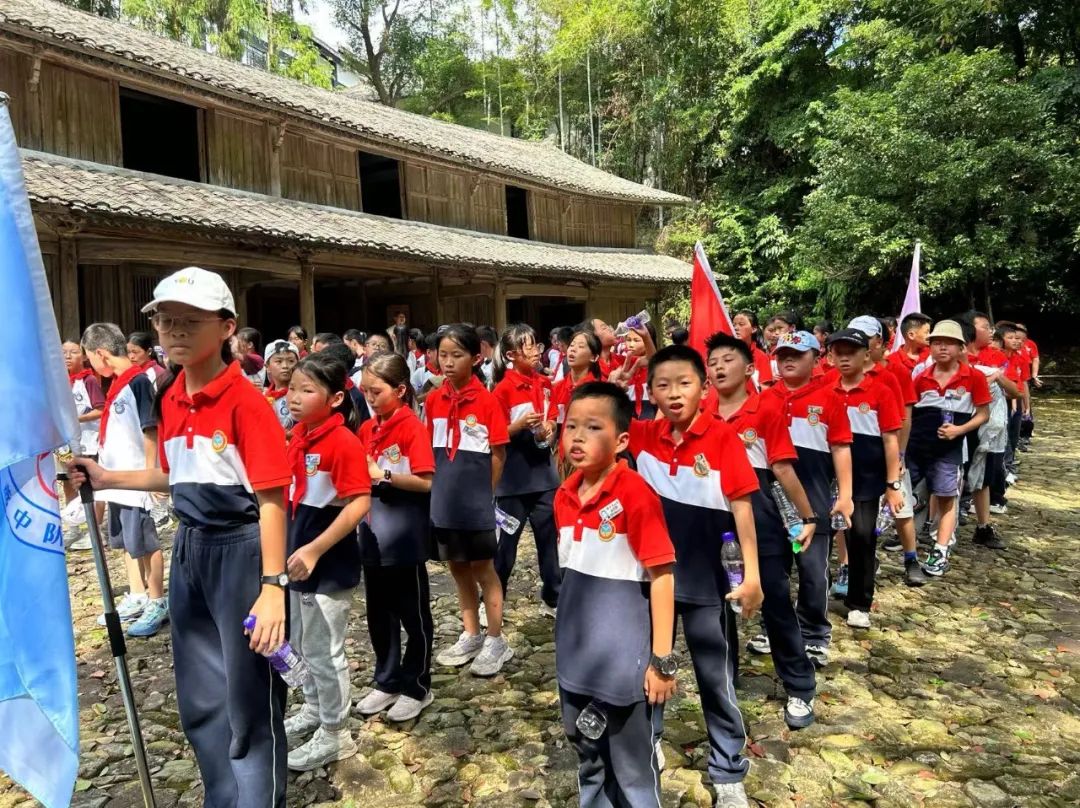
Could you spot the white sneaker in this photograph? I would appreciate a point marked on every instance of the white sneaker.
(1010, 479)
(858, 619)
(495, 653)
(798, 714)
(81, 543)
(730, 795)
(482, 613)
(324, 747)
(549, 611)
(461, 652)
(661, 761)
(407, 708)
(819, 655)
(759, 644)
(1000, 510)
(300, 725)
(375, 702)
(129, 608)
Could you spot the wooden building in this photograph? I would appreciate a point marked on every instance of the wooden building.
(143, 155)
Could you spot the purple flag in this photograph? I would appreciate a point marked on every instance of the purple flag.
(911, 297)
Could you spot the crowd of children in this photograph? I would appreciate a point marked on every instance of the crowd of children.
(298, 473)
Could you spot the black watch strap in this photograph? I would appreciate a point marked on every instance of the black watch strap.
(281, 579)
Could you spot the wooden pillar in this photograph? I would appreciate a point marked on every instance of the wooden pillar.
(307, 296)
(436, 299)
(500, 305)
(240, 298)
(277, 137)
(70, 327)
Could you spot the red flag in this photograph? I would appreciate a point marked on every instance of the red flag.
(708, 314)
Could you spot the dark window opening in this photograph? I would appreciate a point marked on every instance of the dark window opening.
(380, 185)
(517, 212)
(159, 135)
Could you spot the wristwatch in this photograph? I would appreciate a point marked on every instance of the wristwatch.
(281, 579)
(666, 666)
(895, 485)
(811, 520)
(386, 475)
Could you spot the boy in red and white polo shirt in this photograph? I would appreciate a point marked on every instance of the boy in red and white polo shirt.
(953, 401)
(614, 633)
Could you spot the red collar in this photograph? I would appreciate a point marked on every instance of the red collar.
(296, 452)
(573, 484)
(82, 374)
(213, 390)
(749, 406)
(274, 393)
(456, 398)
(384, 428)
(864, 384)
(117, 387)
(521, 381)
(702, 421)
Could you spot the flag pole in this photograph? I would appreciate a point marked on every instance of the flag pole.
(116, 643)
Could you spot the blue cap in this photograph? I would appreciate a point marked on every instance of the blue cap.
(870, 326)
(798, 341)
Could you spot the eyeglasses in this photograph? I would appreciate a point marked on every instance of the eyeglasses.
(164, 323)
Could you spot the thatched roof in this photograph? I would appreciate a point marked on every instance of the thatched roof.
(119, 196)
(62, 27)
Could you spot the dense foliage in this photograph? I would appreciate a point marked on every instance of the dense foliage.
(818, 138)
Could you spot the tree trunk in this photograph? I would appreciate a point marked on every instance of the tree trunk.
(588, 85)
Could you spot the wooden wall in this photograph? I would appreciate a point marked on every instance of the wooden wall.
(237, 151)
(436, 196)
(545, 218)
(488, 206)
(316, 170)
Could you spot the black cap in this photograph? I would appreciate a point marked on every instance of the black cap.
(852, 335)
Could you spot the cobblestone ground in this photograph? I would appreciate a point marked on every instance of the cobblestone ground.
(964, 693)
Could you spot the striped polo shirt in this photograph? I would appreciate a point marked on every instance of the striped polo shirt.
(529, 468)
(816, 422)
(603, 632)
(464, 426)
(696, 480)
(761, 427)
(962, 394)
(873, 408)
(397, 526)
(334, 469)
(219, 446)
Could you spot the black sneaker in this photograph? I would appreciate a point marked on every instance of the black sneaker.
(913, 573)
(925, 538)
(892, 544)
(989, 538)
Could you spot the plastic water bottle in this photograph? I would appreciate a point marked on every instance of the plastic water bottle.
(542, 443)
(592, 721)
(837, 522)
(505, 522)
(632, 323)
(290, 665)
(884, 520)
(731, 559)
(788, 515)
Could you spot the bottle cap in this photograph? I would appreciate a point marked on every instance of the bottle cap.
(249, 622)
(728, 536)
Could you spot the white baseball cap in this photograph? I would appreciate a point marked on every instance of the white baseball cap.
(196, 287)
(871, 326)
(278, 346)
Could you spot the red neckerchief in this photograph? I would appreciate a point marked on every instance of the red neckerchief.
(418, 354)
(274, 393)
(383, 428)
(456, 399)
(296, 452)
(82, 374)
(349, 385)
(118, 385)
(534, 384)
(433, 370)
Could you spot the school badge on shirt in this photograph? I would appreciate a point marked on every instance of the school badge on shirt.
(119, 407)
(864, 408)
(701, 465)
(311, 464)
(607, 530)
(218, 441)
(393, 454)
(749, 437)
(813, 416)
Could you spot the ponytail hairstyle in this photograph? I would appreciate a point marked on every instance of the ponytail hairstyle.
(595, 348)
(513, 338)
(330, 372)
(166, 381)
(464, 335)
(757, 337)
(392, 369)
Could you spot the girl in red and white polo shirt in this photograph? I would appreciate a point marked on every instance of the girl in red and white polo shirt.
(394, 542)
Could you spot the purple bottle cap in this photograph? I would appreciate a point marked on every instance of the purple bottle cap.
(249, 622)
(728, 536)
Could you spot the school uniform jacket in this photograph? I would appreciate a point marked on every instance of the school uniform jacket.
(873, 408)
(397, 526)
(603, 632)
(128, 412)
(696, 481)
(219, 446)
(965, 391)
(464, 427)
